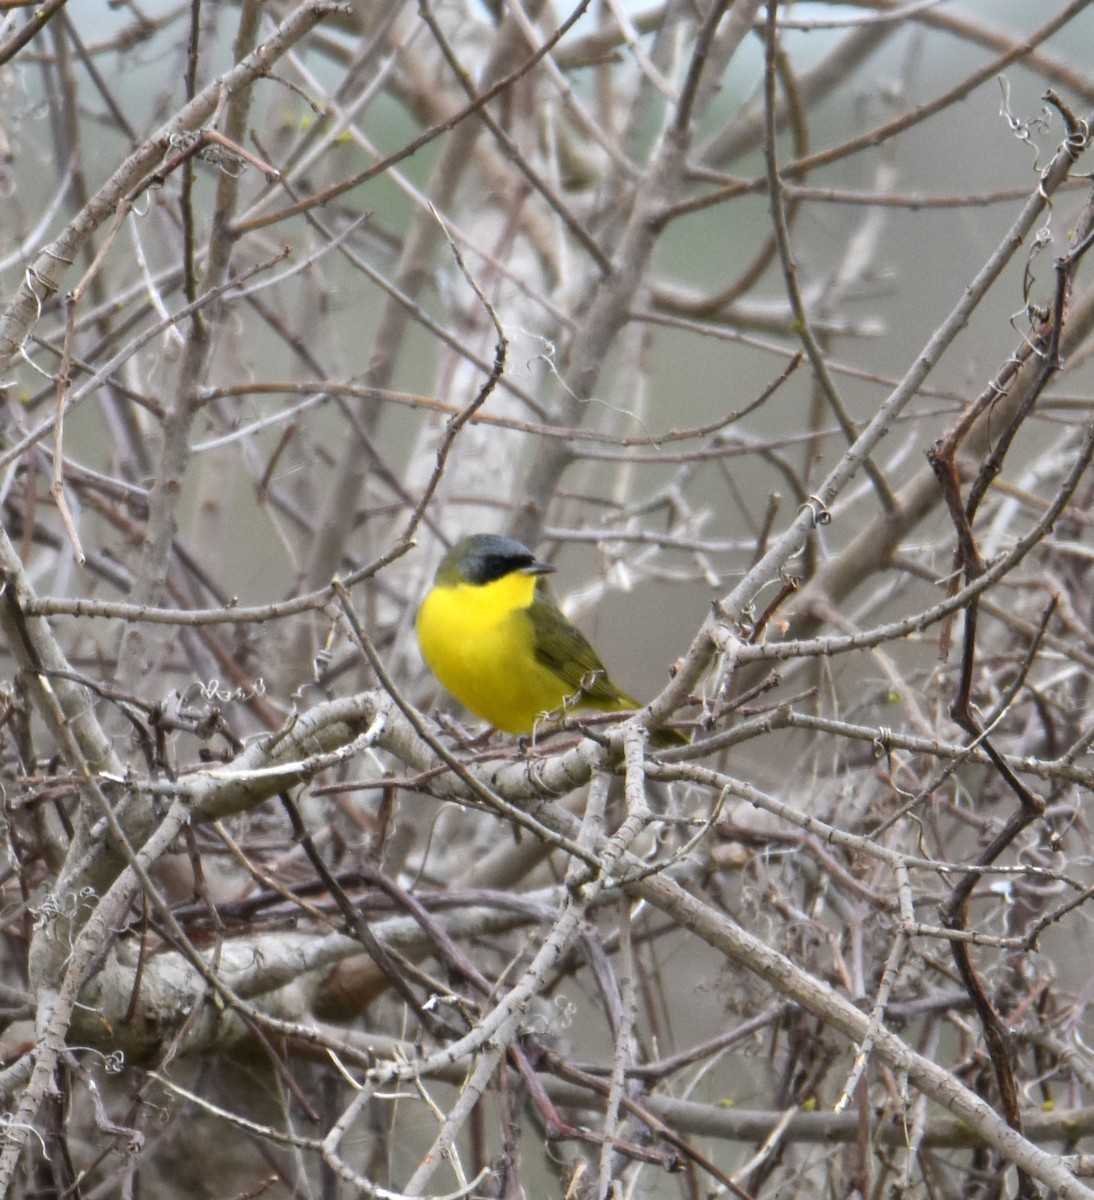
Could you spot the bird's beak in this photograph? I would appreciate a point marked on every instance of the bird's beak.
(538, 568)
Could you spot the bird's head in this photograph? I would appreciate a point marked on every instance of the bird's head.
(485, 557)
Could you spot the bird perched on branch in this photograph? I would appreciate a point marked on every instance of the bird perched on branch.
(497, 643)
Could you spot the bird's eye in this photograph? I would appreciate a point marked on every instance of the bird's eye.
(497, 566)
(491, 567)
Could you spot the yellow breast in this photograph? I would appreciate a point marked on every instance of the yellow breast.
(480, 643)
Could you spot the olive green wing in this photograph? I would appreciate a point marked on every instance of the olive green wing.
(564, 650)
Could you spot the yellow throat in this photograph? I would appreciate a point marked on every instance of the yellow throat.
(479, 640)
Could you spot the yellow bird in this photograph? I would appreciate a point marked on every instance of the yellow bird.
(496, 642)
